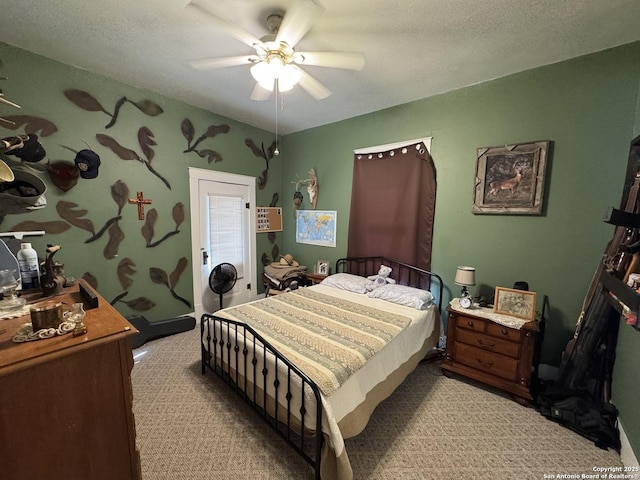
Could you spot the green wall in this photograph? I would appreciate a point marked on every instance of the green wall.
(588, 108)
(37, 85)
(585, 106)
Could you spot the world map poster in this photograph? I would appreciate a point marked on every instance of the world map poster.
(316, 227)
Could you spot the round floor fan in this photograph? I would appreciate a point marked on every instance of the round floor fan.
(222, 279)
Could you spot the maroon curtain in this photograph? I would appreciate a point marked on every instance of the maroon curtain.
(393, 204)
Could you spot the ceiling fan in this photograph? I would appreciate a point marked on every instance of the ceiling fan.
(275, 63)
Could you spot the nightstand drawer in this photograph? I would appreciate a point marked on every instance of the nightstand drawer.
(489, 362)
(504, 332)
(490, 344)
(475, 324)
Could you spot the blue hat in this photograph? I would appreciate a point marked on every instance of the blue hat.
(87, 162)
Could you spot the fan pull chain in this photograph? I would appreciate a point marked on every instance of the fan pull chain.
(276, 151)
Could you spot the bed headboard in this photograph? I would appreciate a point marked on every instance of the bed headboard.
(402, 273)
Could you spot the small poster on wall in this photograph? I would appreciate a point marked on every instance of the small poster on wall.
(316, 227)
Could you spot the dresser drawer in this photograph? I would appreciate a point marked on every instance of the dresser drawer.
(488, 343)
(504, 332)
(467, 323)
(489, 362)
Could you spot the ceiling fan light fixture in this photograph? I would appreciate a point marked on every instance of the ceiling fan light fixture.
(263, 75)
(289, 77)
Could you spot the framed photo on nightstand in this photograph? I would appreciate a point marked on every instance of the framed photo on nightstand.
(517, 303)
(322, 267)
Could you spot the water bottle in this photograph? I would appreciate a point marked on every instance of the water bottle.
(29, 267)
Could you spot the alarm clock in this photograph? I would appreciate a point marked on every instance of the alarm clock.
(466, 302)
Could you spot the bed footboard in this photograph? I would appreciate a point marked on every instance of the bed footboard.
(287, 399)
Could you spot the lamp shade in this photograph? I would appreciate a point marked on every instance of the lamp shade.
(465, 276)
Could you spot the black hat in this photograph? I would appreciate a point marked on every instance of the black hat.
(30, 151)
(87, 162)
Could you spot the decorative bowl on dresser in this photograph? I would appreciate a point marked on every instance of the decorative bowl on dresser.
(494, 349)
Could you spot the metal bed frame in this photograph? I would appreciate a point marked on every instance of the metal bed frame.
(232, 347)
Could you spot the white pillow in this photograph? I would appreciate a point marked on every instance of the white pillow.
(347, 281)
(403, 295)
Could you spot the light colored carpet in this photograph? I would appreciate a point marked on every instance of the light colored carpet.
(193, 427)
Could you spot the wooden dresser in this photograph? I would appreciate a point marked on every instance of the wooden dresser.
(66, 402)
(486, 351)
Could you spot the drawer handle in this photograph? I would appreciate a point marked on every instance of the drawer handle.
(505, 331)
(487, 363)
(486, 345)
(470, 323)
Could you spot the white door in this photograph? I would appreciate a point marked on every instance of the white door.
(222, 232)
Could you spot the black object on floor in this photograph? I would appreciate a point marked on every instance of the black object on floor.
(151, 330)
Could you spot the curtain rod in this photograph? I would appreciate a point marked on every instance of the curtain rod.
(391, 146)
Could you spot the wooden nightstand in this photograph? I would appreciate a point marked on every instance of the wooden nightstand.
(315, 277)
(482, 349)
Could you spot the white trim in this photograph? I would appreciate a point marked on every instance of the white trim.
(627, 455)
(391, 146)
(195, 175)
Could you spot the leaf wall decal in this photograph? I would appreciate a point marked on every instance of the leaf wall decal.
(149, 222)
(175, 275)
(145, 139)
(85, 101)
(120, 194)
(140, 304)
(265, 260)
(275, 252)
(115, 147)
(31, 124)
(211, 155)
(90, 279)
(104, 228)
(271, 236)
(148, 107)
(188, 131)
(116, 235)
(125, 270)
(262, 179)
(256, 151)
(48, 227)
(67, 212)
(119, 297)
(178, 214)
(159, 276)
(116, 112)
(271, 151)
(214, 130)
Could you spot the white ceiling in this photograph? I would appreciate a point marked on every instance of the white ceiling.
(413, 48)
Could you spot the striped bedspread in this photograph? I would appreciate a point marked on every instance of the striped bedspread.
(327, 337)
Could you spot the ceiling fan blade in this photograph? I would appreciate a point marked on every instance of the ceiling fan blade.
(231, 28)
(347, 60)
(221, 62)
(297, 21)
(313, 86)
(260, 94)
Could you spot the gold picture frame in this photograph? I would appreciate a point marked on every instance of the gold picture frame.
(510, 179)
(517, 303)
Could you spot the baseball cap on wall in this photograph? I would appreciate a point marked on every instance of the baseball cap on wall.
(30, 151)
(87, 162)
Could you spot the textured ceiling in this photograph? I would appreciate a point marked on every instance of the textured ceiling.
(413, 48)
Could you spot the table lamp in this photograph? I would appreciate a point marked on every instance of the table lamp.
(465, 277)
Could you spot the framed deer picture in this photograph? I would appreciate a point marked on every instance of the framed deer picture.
(510, 179)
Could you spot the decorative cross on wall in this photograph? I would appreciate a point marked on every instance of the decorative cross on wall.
(141, 201)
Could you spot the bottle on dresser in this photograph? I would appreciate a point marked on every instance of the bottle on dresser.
(29, 267)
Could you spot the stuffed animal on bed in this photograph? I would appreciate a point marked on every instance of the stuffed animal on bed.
(382, 278)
